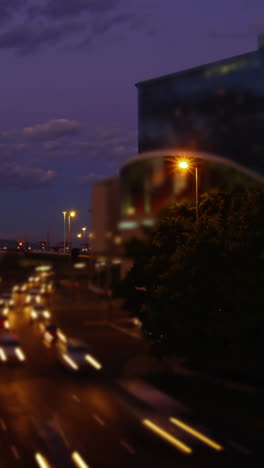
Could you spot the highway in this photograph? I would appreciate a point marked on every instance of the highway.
(51, 417)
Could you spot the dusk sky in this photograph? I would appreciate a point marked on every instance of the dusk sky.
(68, 100)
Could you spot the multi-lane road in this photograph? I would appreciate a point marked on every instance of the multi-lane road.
(53, 418)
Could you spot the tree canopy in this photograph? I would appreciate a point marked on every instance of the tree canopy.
(198, 287)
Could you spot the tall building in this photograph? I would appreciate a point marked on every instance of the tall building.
(212, 114)
(105, 216)
(214, 111)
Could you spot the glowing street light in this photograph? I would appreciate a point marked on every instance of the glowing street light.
(184, 164)
(79, 235)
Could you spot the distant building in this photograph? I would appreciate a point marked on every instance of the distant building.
(105, 215)
(8, 244)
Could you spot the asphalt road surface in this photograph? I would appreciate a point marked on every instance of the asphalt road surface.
(51, 417)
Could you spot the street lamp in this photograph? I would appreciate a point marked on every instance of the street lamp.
(184, 165)
(71, 215)
(79, 235)
(64, 230)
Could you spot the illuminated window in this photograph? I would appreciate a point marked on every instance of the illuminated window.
(127, 225)
(130, 210)
(118, 240)
(148, 222)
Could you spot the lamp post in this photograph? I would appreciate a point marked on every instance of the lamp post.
(64, 230)
(185, 165)
(71, 215)
(84, 236)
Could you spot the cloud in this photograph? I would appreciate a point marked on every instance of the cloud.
(25, 178)
(52, 145)
(230, 35)
(91, 178)
(9, 7)
(20, 147)
(74, 23)
(29, 37)
(52, 129)
(63, 8)
(31, 156)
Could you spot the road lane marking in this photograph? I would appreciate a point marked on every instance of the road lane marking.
(78, 460)
(239, 447)
(167, 436)
(127, 332)
(127, 447)
(196, 434)
(76, 398)
(3, 424)
(15, 452)
(61, 432)
(98, 419)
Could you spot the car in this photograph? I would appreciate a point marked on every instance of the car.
(46, 288)
(33, 296)
(51, 333)
(39, 312)
(76, 356)
(4, 322)
(7, 299)
(10, 349)
(19, 289)
(4, 310)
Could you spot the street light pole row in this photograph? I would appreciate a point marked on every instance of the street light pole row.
(70, 215)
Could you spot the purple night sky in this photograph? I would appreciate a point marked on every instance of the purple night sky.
(68, 101)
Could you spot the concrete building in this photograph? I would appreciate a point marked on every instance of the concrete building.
(105, 216)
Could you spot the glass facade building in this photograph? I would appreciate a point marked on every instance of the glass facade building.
(213, 114)
(216, 108)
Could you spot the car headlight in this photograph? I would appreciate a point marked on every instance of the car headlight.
(21, 356)
(46, 314)
(2, 355)
(70, 361)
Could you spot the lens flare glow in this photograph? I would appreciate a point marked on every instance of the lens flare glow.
(183, 164)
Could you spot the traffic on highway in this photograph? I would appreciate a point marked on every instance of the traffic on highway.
(60, 406)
